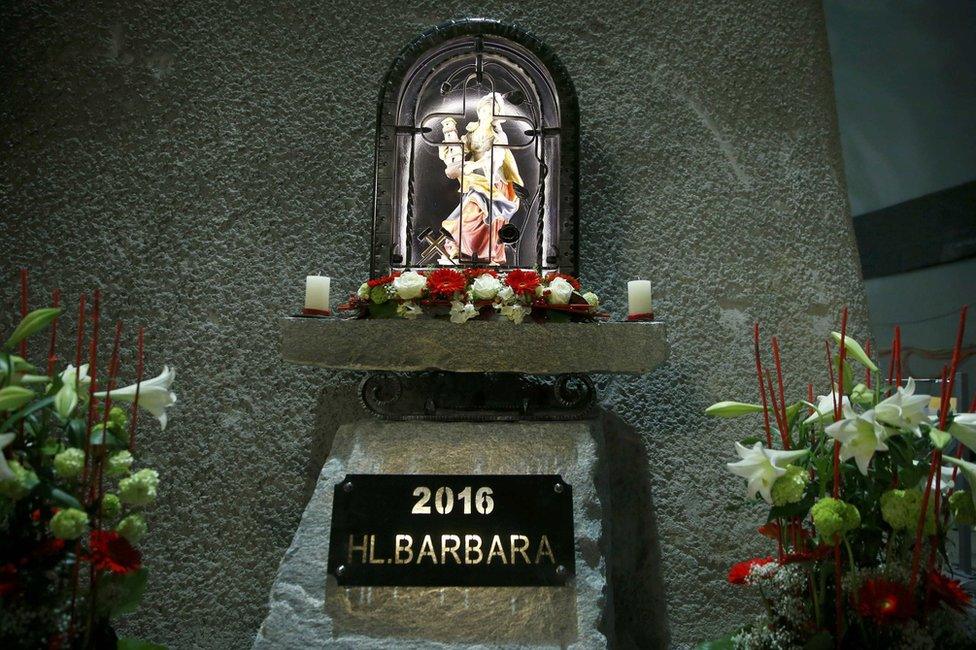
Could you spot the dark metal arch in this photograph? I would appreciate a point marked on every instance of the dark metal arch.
(567, 256)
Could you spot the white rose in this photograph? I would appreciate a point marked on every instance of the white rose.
(409, 285)
(485, 287)
(506, 294)
(592, 299)
(560, 291)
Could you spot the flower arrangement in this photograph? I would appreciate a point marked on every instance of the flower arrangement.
(475, 293)
(73, 494)
(859, 504)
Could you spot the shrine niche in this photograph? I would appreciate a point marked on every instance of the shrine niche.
(476, 154)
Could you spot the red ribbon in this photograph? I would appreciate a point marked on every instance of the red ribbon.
(642, 316)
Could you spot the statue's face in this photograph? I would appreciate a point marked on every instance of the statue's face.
(484, 111)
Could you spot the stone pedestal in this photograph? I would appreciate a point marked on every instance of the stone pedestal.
(308, 609)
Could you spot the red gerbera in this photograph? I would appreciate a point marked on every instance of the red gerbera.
(817, 553)
(446, 282)
(948, 591)
(565, 276)
(476, 273)
(884, 601)
(740, 571)
(522, 282)
(112, 552)
(386, 279)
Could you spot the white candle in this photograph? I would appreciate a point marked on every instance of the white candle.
(317, 292)
(639, 297)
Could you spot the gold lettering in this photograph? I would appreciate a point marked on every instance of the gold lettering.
(496, 549)
(470, 548)
(372, 549)
(354, 547)
(397, 548)
(521, 548)
(426, 549)
(453, 549)
(544, 549)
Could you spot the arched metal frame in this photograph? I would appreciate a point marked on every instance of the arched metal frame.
(477, 35)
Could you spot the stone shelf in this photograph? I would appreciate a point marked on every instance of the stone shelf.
(475, 346)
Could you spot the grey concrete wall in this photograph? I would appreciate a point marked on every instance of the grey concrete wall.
(196, 160)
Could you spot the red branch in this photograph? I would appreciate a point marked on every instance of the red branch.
(782, 395)
(778, 412)
(936, 465)
(113, 369)
(762, 390)
(842, 355)
(79, 344)
(52, 356)
(135, 400)
(93, 376)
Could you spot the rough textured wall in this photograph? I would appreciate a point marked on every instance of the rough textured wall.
(196, 160)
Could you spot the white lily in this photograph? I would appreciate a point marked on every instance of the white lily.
(154, 394)
(5, 471)
(761, 467)
(860, 435)
(904, 410)
(462, 312)
(68, 395)
(825, 408)
(963, 429)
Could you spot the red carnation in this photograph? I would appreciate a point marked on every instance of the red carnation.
(446, 282)
(740, 571)
(471, 274)
(522, 282)
(565, 276)
(112, 552)
(386, 279)
(884, 601)
(948, 591)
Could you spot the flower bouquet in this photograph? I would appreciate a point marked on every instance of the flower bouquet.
(859, 502)
(72, 494)
(475, 293)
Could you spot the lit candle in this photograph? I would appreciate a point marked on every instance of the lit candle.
(317, 295)
(639, 297)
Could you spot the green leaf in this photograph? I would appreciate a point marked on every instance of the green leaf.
(128, 643)
(100, 437)
(749, 441)
(855, 350)
(26, 411)
(383, 310)
(76, 432)
(725, 643)
(939, 438)
(732, 409)
(820, 641)
(13, 397)
(32, 322)
(120, 593)
(65, 499)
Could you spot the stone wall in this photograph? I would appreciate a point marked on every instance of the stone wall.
(196, 160)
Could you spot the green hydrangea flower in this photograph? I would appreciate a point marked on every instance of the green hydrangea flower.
(901, 508)
(22, 482)
(69, 523)
(379, 294)
(789, 487)
(363, 291)
(962, 508)
(117, 418)
(70, 462)
(833, 517)
(140, 488)
(119, 463)
(110, 505)
(132, 528)
(592, 299)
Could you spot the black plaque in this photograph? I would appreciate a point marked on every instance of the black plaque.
(452, 530)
